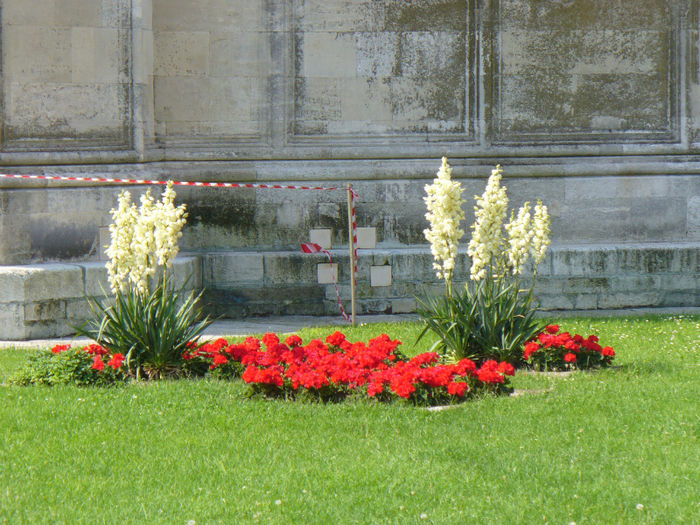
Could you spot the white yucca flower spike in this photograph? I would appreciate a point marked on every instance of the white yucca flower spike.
(520, 235)
(143, 239)
(490, 211)
(540, 232)
(124, 217)
(444, 202)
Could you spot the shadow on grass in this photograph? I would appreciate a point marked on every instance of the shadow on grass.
(645, 367)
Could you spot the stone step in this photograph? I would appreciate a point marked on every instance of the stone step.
(45, 300)
(582, 277)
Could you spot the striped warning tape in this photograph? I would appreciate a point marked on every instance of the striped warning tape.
(150, 182)
(311, 247)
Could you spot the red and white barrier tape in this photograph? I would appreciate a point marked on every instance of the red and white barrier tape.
(106, 180)
(311, 247)
(63, 178)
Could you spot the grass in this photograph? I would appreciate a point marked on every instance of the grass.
(590, 449)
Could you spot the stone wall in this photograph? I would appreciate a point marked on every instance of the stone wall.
(592, 106)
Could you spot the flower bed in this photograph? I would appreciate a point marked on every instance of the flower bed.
(552, 350)
(333, 370)
(91, 365)
(325, 371)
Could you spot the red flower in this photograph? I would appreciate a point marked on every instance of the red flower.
(570, 358)
(531, 348)
(572, 346)
(293, 340)
(60, 348)
(251, 343)
(374, 388)
(335, 339)
(465, 367)
(270, 340)
(403, 388)
(116, 361)
(506, 368)
(219, 359)
(97, 363)
(608, 351)
(428, 358)
(552, 328)
(457, 389)
(95, 349)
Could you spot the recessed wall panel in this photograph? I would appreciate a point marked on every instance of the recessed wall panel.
(586, 71)
(211, 67)
(366, 68)
(66, 74)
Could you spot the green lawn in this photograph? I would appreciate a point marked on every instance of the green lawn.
(588, 448)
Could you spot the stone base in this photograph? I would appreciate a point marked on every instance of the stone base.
(46, 300)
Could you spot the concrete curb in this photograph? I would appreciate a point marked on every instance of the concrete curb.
(292, 323)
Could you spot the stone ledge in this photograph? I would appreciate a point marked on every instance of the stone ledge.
(45, 300)
(42, 300)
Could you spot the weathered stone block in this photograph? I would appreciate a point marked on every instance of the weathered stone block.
(689, 258)
(416, 266)
(24, 13)
(689, 298)
(95, 55)
(283, 268)
(236, 54)
(366, 306)
(327, 273)
(81, 13)
(38, 54)
(556, 302)
(45, 329)
(685, 282)
(367, 238)
(12, 279)
(328, 55)
(88, 110)
(186, 270)
(78, 311)
(221, 105)
(322, 237)
(693, 217)
(586, 301)
(224, 268)
(649, 260)
(45, 311)
(181, 53)
(598, 261)
(95, 279)
(549, 286)
(629, 300)
(53, 281)
(586, 285)
(380, 276)
(12, 322)
(403, 306)
(634, 283)
(599, 83)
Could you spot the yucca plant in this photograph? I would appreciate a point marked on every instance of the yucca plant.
(150, 321)
(152, 329)
(490, 319)
(493, 317)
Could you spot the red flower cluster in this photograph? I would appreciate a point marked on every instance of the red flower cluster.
(115, 360)
(331, 369)
(552, 350)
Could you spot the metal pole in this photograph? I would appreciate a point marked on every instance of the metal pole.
(353, 262)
